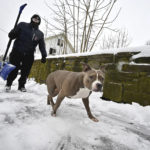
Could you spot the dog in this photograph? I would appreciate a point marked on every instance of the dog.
(74, 85)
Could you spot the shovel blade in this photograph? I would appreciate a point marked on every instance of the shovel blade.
(6, 69)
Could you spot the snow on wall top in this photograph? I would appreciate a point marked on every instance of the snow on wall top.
(144, 52)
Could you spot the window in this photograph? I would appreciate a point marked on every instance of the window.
(52, 51)
(60, 42)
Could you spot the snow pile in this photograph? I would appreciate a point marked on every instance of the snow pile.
(26, 123)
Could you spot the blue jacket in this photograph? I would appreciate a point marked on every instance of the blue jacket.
(27, 38)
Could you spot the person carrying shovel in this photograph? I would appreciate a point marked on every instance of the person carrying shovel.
(27, 36)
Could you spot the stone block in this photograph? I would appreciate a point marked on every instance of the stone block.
(112, 91)
(142, 60)
(124, 56)
(136, 68)
(121, 77)
(133, 87)
(141, 98)
(110, 67)
(101, 58)
(144, 85)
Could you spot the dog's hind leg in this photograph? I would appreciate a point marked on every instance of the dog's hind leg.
(50, 97)
(53, 91)
(50, 100)
(58, 102)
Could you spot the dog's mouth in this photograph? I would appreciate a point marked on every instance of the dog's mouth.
(97, 88)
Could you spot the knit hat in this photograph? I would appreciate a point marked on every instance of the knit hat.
(36, 17)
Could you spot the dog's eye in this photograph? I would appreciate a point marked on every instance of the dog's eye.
(102, 79)
(91, 77)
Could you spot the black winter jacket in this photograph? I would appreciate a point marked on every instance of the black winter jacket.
(27, 38)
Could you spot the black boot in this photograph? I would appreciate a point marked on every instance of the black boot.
(22, 88)
(8, 87)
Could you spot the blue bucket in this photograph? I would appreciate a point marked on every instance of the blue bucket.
(6, 68)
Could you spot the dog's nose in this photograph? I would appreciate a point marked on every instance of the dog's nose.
(99, 86)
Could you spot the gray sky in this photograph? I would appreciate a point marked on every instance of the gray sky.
(134, 16)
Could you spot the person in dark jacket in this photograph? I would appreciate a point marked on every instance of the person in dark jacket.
(27, 36)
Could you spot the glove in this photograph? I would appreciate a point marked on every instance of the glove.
(43, 60)
(12, 34)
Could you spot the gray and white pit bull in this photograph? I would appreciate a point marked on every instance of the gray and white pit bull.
(74, 85)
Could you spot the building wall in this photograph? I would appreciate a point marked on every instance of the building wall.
(124, 83)
(52, 43)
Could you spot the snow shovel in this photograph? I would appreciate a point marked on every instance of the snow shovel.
(5, 67)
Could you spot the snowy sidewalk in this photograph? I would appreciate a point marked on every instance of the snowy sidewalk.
(26, 123)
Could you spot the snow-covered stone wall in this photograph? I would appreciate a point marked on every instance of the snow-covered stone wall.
(127, 77)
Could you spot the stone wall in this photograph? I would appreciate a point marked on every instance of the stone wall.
(124, 83)
(129, 85)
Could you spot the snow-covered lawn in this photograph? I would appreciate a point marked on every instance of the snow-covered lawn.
(26, 123)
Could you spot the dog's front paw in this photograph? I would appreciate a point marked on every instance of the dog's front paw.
(94, 119)
(53, 114)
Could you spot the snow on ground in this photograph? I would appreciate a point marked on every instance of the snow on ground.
(26, 123)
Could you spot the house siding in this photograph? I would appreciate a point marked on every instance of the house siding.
(52, 42)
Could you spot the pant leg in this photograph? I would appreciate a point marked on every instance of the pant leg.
(14, 59)
(27, 63)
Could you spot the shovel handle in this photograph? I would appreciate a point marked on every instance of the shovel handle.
(8, 45)
(20, 11)
(10, 40)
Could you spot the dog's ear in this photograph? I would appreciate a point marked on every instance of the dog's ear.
(103, 68)
(86, 67)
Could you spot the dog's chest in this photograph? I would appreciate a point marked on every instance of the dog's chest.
(82, 93)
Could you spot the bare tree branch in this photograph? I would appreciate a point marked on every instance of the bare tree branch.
(82, 21)
(102, 25)
(118, 40)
